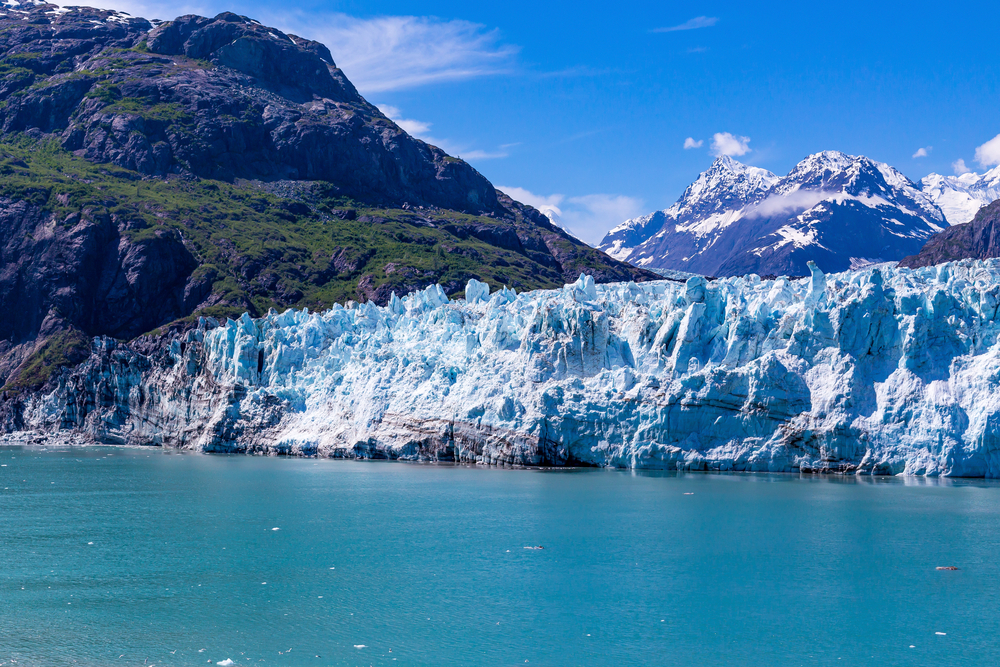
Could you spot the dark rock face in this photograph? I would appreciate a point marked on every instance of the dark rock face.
(81, 273)
(979, 239)
(220, 98)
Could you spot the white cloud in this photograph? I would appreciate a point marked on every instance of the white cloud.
(548, 205)
(988, 154)
(798, 200)
(415, 128)
(691, 143)
(591, 216)
(377, 54)
(959, 167)
(422, 130)
(923, 152)
(691, 24)
(724, 143)
(588, 217)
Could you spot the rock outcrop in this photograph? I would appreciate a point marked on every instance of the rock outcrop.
(979, 239)
(219, 98)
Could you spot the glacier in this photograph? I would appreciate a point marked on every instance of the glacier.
(880, 371)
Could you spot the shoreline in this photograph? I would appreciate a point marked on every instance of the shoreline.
(72, 439)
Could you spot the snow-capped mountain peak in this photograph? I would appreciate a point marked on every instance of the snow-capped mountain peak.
(707, 204)
(837, 209)
(725, 183)
(861, 177)
(961, 197)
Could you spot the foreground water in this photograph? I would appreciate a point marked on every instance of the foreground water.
(131, 557)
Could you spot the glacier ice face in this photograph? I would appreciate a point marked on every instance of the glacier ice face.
(883, 371)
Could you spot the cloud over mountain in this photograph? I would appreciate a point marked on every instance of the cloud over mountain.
(988, 154)
(587, 217)
(724, 143)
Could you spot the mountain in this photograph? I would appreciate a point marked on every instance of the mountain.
(961, 197)
(152, 173)
(710, 203)
(839, 210)
(978, 239)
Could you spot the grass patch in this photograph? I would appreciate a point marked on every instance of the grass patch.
(164, 111)
(65, 348)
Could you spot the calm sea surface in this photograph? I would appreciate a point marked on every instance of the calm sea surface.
(130, 557)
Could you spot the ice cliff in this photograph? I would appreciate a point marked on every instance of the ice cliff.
(882, 371)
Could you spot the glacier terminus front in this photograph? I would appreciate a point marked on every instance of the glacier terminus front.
(879, 371)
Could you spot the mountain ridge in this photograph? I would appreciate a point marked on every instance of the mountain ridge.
(701, 202)
(960, 197)
(838, 210)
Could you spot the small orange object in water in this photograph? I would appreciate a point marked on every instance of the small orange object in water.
(948, 567)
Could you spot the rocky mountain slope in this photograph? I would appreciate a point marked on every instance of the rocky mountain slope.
(887, 371)
(961, 197)
(838, 210)
(978, 239)
(151, 173)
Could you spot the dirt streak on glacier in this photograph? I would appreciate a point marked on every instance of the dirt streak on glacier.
(880, 371)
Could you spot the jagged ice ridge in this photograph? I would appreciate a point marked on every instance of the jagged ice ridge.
(883, 371)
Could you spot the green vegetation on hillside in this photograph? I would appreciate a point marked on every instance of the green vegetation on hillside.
(305, 248)
(65, 348)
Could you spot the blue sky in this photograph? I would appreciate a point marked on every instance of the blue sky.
(587, 106)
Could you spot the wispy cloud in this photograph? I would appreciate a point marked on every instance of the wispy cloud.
(724, 143)
(422, 130)
(378, 54)
(578, 71)
(549, 205)
(588, 217)
(988, 154)
(415, 128)
(481, 155)
(691, 24)
(799, 200)
(923, 152)
(959, 167)
(399, 52)
(698, 49)
(690, 143)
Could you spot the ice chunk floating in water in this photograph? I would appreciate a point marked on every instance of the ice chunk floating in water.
(883, 370)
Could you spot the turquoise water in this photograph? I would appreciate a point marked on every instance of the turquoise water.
(120, 557)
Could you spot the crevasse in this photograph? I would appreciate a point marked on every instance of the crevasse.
(883, 371)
